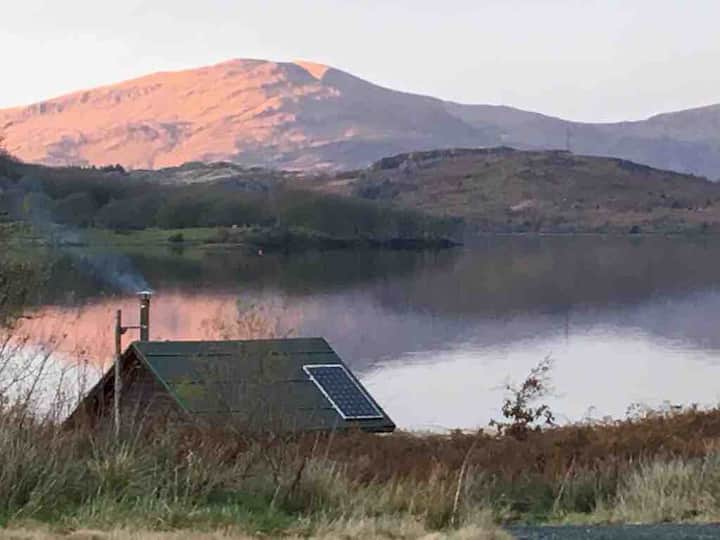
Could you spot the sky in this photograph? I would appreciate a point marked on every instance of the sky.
(585, 60)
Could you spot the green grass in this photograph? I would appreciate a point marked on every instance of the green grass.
(253, 239)
(149, 237)
(244, 512)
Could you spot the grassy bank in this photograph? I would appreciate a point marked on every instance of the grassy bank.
(661, 467)
(252, 239)
(208, 480)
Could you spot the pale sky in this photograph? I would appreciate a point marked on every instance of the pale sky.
(591, 60)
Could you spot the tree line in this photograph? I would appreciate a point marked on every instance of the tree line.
(113, 199)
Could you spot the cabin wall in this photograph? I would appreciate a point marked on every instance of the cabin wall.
(143, 399)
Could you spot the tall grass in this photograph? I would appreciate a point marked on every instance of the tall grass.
(171, 478)
(193, 477)
(672, 490)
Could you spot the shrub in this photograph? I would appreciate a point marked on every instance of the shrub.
(520, 415)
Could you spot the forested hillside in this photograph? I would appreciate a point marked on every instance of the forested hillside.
(111, 198)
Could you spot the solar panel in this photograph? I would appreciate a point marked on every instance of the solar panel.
(342, 391)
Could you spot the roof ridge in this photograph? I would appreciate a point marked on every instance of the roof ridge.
(258, 340)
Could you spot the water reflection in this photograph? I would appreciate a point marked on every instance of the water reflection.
(597, 373)
(435, 335)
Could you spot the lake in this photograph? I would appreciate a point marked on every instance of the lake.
(435, 336)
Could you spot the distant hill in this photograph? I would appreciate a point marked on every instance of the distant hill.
(309, 116)
(446, 192)
(686, 141)
(512, 191)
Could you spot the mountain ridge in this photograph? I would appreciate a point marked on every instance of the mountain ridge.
(304, 115)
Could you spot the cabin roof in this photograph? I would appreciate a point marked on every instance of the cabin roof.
(261, 383)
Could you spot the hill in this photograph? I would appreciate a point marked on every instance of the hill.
(309, 116)
(211, 204)
(438, 193)
(512, 191)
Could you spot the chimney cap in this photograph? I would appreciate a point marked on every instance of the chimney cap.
(144, 294)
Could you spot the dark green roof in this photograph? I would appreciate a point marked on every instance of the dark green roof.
(260, 383)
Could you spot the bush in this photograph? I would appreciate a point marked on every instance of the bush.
(521, 416)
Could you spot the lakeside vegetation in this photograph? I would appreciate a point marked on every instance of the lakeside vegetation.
(265, 212)
(654, 468)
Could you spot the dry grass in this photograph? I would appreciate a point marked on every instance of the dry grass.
(676, 490)
(196, 478)
(548, 453)
(659, 467)
(358, 529)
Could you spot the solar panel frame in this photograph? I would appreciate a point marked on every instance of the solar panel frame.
(307, 368)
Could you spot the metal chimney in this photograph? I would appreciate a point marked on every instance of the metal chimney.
(144, 315)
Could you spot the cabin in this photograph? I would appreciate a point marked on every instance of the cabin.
(260, 385)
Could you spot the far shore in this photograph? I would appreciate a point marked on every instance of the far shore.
(254, 239)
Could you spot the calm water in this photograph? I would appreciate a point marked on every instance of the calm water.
(436, 335)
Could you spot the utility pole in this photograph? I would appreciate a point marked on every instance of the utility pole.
(119, 331)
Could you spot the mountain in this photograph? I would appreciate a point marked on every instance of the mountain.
(686, 141)
(310, 116)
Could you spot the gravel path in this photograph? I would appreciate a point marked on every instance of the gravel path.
(620, 532)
